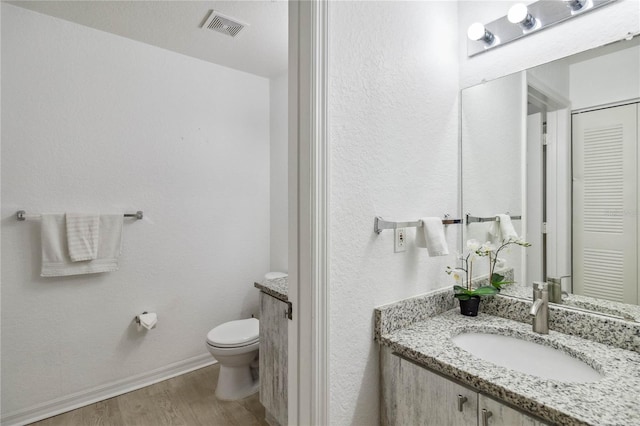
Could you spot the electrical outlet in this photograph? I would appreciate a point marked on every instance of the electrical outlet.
(399, 240)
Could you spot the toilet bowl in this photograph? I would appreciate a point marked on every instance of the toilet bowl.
(235, 345)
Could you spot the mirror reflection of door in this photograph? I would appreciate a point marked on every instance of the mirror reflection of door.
(548, 185)
(605, 196)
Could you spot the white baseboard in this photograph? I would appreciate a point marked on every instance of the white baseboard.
(106, 391)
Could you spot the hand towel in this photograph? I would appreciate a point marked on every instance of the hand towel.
(83, 231)
(507, 230)
(431, 236)
(494, 234)
(56, 261)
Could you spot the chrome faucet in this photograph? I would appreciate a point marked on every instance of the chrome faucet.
(555, 289)
(540, 308)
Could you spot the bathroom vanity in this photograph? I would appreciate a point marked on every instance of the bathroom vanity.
(275, 311)
(414, 394)
(426, 378)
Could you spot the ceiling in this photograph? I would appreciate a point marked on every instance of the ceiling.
(260, 48)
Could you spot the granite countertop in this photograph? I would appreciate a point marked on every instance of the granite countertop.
(612, 400)
(277, 287)
(627, 311)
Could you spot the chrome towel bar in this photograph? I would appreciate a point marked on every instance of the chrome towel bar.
(22, 215)
(474, 219)
(380, 224)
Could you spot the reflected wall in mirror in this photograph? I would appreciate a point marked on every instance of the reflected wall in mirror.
(493, 122)
(557, 144)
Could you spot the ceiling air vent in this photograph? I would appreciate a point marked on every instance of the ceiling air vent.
(223, 24)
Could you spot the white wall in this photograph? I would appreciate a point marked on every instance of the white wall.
(279, 174)
(493, 128)
(93, 121)
(393, 135)
(609, 23)
(606, 79)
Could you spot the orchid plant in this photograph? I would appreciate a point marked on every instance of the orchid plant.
(464, 274)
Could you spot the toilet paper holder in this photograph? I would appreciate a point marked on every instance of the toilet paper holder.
(137, 318)
(147, 320)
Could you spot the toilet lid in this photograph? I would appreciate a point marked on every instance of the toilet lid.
(234, 333)
(275, 275)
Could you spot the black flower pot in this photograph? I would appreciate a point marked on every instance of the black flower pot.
(470, 307)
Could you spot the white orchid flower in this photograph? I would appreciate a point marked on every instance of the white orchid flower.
(473, 244)
(485, 249)
(456, 273)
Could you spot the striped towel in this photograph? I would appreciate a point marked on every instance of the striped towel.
(83, 231)
(56, 261)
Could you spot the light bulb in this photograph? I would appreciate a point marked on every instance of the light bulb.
(477, 32)
(519, 14)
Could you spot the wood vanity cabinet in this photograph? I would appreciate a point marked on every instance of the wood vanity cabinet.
(273, 358)
(502, 415)
(412, 395)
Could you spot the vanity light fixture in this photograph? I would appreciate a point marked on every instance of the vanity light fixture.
(519, 14)
(478, 32)
(528, 19)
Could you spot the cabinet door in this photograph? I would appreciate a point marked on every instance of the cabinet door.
(494, 413)
(425, 398)
(389, 378)
(273, 357)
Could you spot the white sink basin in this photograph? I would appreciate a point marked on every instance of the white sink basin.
(526, 357)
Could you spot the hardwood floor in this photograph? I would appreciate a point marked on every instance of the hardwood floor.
(186, 400)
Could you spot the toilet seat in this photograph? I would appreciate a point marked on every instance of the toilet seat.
(275, 275)
(234, 334)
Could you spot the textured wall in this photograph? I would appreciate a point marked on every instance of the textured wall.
(393, 135)
(610, 23)
(279, 195)
(93, 121)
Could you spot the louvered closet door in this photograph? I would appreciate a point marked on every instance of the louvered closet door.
(605, 188)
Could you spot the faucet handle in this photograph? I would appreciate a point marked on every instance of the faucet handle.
(540, 285)
(544, 293)
(537, 289)
(557, 280)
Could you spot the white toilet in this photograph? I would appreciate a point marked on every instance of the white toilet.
(235, 345)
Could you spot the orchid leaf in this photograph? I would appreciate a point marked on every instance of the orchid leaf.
(462, 296)
(496, 278)
(485, 291)
(465, 294)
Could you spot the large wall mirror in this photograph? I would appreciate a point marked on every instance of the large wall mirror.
(556, 147)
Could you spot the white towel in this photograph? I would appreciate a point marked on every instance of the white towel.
(431, 236)
(507, 231)
(494, 233)
(83, 231)
(55, 252)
